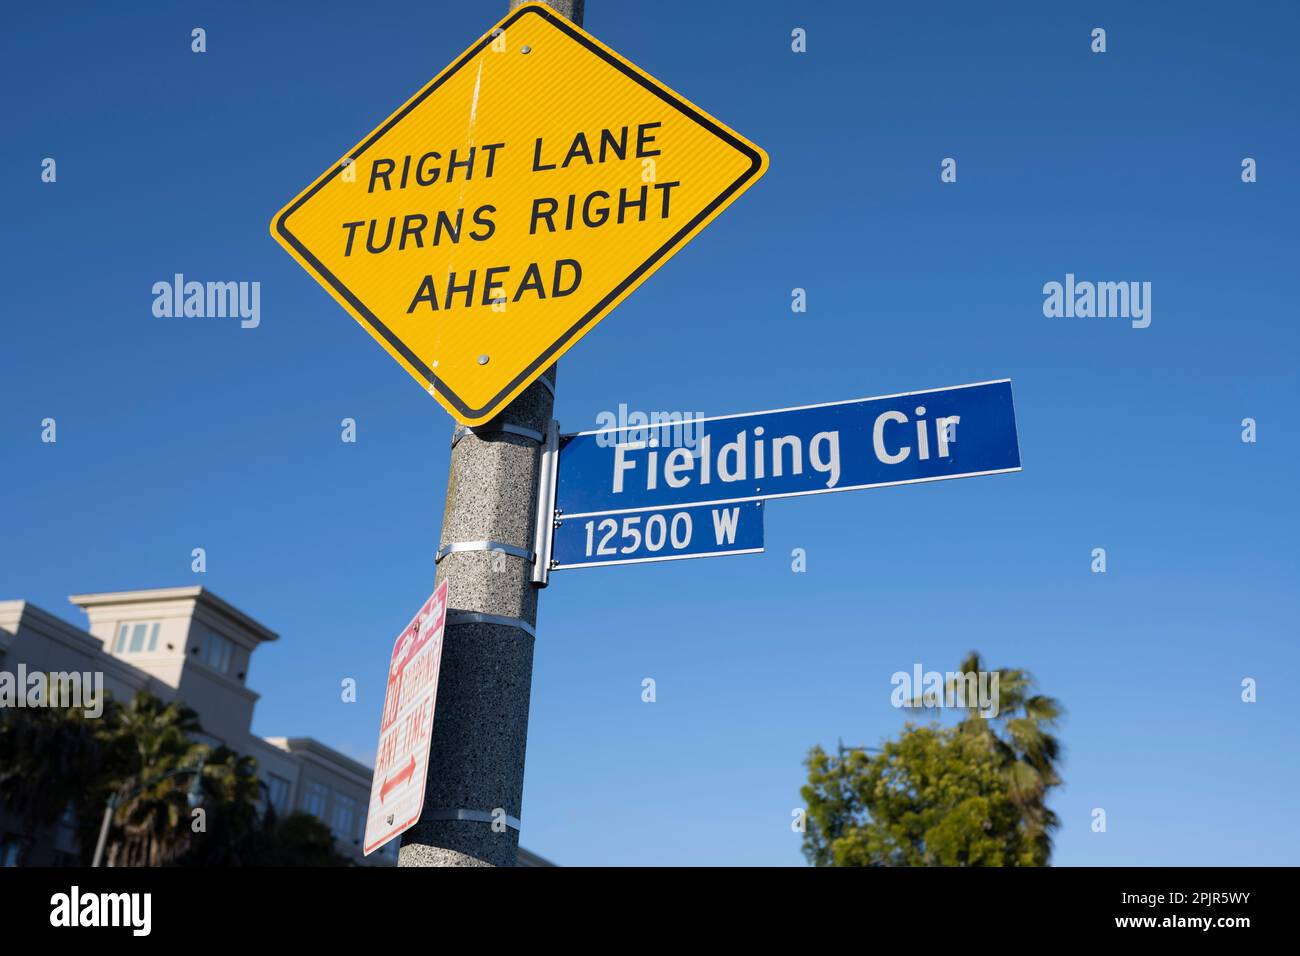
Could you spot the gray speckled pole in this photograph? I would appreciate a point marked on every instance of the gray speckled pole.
(569, 9)
(480, 726)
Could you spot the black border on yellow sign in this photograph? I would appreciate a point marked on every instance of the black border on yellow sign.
(756, 164)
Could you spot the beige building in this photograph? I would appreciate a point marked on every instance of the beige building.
(189, 644)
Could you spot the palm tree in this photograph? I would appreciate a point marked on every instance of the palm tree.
(1029, 751)
(153, 744)
(141, 760)
(234, 834)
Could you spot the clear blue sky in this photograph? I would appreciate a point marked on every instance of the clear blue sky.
(183, 433)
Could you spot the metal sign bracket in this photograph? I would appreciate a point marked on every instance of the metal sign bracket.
(544, 526)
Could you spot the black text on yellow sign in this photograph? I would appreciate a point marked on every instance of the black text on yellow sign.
(508, 206)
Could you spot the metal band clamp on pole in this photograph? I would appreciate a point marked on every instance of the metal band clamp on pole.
(503, 428)
(501, 546)
(479, 617)
(476, 816)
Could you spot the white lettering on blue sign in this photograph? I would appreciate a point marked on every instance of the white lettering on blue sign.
(865, 443)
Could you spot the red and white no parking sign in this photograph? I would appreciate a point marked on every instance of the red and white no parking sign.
(402, 760)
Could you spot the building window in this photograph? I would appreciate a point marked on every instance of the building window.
(344, 818)
(315, 798)
(277, 792)
(65, 836)
(9, 849)
(218, 652)
(135, 638)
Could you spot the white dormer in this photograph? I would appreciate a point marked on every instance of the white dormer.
(190, 640)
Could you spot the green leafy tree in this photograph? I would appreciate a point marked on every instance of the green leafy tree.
(300, 839)
(973, 794)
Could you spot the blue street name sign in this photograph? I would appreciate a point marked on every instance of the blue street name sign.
(665, 534)
(956, 432)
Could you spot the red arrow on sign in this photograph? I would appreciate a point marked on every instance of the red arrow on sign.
(391, 783)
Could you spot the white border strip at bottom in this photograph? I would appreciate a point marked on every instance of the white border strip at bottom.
(667, 557)
(787, 494)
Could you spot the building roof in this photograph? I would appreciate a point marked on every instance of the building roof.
(199, 594)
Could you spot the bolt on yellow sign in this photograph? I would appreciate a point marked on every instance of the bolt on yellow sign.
(510, 204)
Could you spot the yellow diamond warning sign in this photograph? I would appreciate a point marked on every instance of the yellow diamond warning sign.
(509, 205)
